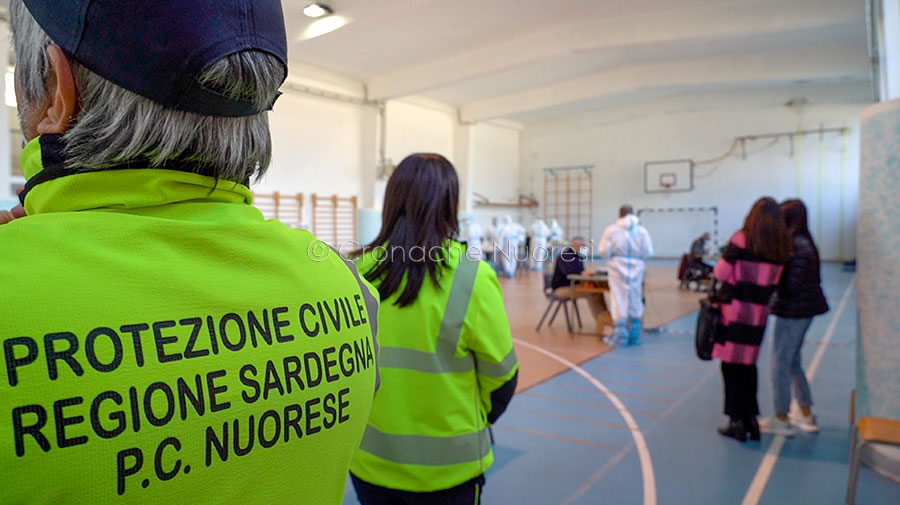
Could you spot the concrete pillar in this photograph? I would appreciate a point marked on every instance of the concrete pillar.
(878, 376)
(369, 213)
(462, 160)
(889, 47)
(368, 155)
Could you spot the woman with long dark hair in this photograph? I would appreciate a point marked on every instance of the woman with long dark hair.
(798, 299)
(748, 273)
(446, 359)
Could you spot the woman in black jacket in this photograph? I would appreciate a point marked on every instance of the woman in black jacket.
(798, 299)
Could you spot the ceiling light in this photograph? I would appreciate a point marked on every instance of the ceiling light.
(322, 26)
(316, 10)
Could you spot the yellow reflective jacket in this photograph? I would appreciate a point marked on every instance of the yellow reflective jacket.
(444, 360)
(164, 344)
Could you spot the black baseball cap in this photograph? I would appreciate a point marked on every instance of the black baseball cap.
(159, 48)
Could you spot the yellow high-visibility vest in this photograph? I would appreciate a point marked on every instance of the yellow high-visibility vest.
(163, 343)
(440, 360)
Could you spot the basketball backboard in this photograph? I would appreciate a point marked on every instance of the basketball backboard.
(668, 176)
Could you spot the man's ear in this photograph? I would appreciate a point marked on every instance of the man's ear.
(63, 96)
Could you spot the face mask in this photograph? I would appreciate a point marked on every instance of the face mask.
(584, 250)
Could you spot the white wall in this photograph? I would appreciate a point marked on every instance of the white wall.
(419, 126)
(889, 49)
(315, 147)
(495, 170)
(7, 183)
(329, 147)
(619, 141)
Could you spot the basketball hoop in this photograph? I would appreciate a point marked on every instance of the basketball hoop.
(673, 176)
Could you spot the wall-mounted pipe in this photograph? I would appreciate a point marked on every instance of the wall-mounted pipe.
(332, 95)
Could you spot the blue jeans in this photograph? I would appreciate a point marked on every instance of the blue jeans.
(787, 366)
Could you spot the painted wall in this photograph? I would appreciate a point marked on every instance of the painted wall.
(8, 183)
(315, 147)
(495, 170)
(416, 126)
(889, 48)
(328, 147)
(700, 127)
(420, 126)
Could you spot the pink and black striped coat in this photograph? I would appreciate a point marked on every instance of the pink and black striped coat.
(747, 283)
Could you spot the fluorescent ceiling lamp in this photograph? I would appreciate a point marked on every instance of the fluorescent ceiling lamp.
(11, 90)
(316, 10)
(322, 26)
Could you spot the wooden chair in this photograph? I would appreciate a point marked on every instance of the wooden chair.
(865, 431)
(559, 302)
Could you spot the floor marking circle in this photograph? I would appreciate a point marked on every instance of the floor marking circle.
(636, 433)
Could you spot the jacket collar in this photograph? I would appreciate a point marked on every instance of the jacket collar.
(51, 187)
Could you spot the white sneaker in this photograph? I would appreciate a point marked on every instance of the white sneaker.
(775, 426)
(807, 423)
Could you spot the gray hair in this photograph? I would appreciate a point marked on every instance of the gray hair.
(115, 125)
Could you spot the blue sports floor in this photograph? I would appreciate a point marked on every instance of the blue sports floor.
(565, 442)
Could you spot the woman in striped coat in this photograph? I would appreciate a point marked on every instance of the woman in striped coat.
(748, 273)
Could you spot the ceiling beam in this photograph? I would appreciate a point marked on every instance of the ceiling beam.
(751, 70)
(711, 23)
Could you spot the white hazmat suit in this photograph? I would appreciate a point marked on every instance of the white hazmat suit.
(472, 235)
(491, 241)
(539, 233)
(626, 244)
(557, 235)
(509, 237)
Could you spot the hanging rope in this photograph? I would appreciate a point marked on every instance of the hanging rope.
(730, 153)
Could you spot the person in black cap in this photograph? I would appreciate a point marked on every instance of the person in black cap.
(167, 344)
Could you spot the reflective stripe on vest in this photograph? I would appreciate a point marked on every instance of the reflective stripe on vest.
(371, 312)
(425, 450)
(436, 450)
(444, 359)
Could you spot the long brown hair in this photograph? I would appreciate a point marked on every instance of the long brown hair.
(797, 223)
(420, 208)
(766, 233)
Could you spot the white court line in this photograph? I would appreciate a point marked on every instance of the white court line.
(764, 472)
(639, 442)
(621, 454)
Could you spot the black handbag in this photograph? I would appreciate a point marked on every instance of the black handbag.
(707, 327)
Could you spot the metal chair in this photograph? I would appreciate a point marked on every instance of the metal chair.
(865, 431)
(559, 302)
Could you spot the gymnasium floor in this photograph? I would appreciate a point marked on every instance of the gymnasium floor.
(636, 425)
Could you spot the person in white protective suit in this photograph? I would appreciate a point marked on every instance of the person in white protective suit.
(491, 241)
(509, 237)
(626, 244)
(556, 233)
(472, 234)
(521, 236)
(539, 233)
